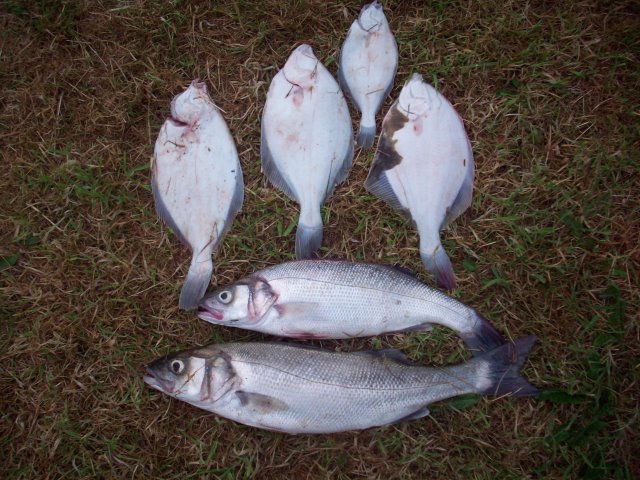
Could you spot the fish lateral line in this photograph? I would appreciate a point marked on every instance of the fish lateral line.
(374, 289)
(348, 387)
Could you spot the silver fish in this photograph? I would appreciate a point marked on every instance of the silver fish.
(197, 182)
(307, 144)
(296, 389)
(424, 167)
(368, 64)
(338, 299)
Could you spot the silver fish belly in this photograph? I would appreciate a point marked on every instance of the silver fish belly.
(306, 140)
(424, 167)
(367, 67)
(296, 389)
(338, 299)
(197, 182)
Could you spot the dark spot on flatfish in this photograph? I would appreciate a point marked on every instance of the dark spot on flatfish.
(387, 157)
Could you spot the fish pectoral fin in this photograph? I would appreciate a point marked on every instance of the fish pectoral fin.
(390, 354)
(297, 309)
(259, 402)
(421, 412)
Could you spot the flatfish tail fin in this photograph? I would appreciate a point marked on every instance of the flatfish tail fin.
(505, 363)
(196, 282)
(308, 240)
(439, 264)
(366, 135)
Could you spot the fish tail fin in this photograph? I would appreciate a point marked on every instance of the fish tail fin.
(196, 282)
(502, 377)
(366, 134)
(483, 337)
(439, 265)
(308, 240)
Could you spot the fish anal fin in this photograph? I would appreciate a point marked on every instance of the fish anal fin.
(238, 196)
(347, 161)
(463, 199)
(390, 354)
(421, 327)
(259, 402)
(420, 413)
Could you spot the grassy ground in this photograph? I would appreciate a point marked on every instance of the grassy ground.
(90, 278)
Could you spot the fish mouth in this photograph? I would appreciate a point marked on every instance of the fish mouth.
(158, 383)
(210, 314)
(177, 122)
(199, 85)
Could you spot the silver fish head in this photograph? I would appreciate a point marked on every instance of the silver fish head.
(301, 68)
(417, 98)
(188, 106)
(371, 18)
(242, 304)
(196, 375)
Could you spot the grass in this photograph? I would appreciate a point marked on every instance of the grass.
(90, 278)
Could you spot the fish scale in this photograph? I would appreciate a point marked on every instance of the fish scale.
(339, 299)
(299, 377)
(297, 389)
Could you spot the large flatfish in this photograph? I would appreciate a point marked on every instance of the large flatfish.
(424, 167)
(197, 182)
(307, 144)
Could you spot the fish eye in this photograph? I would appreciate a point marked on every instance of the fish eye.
(225, 296)
(177, 366)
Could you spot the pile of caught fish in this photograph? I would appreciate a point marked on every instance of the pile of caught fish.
(423, 166)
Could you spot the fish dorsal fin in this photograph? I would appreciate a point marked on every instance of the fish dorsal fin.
(421, 412)
(391, 354)
(259, 402)
(381, 188)
(270, 169)
(342, 81)
(385, 159)
(463, 199)
(405, 270)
